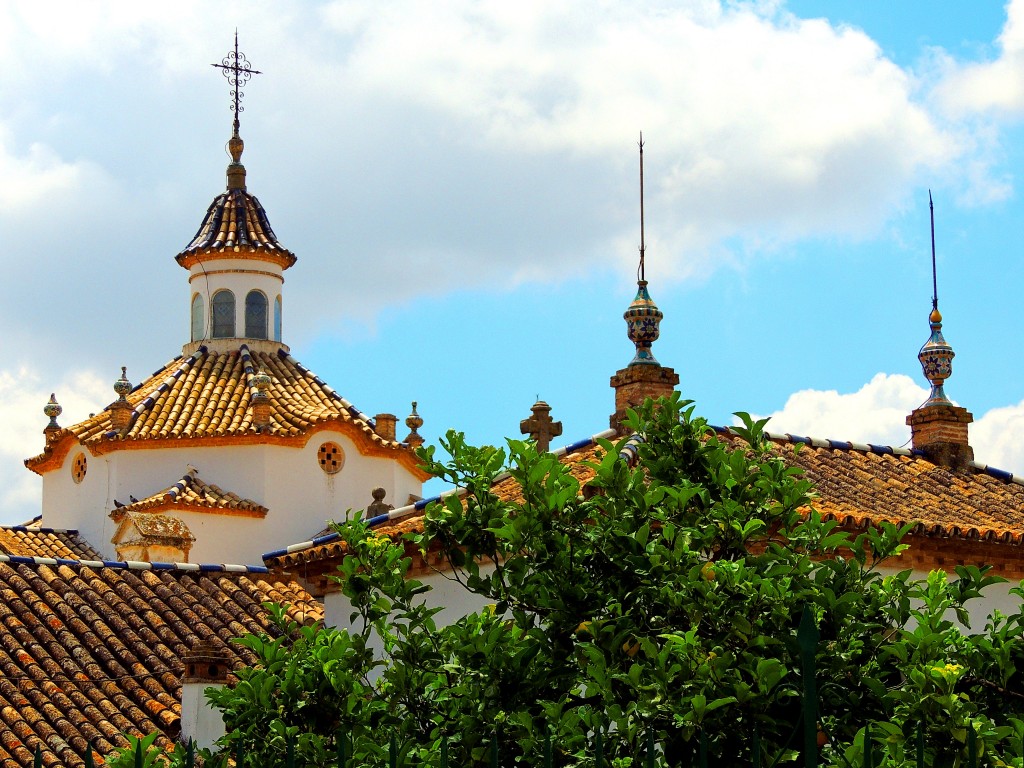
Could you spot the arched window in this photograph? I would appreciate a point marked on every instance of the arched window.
(277, 319)
(223, 315)
(198, 318)
(256, 315)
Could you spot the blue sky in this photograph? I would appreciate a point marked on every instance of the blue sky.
(459, 183)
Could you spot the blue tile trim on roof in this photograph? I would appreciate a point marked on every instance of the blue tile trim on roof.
(134, 565)
(30, 529)
(354, 412)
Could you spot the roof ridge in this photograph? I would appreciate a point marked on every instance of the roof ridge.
(817, 442)
(135, 565)
(849, 445)
(354, 412)
(149, 401)
(33, 529)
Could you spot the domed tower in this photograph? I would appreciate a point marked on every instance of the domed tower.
(280, 452)
(236, 263)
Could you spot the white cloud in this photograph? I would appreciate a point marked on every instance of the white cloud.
(876, 413)
(28, 179)
(758, 122)
(995, 86)
(22, 397)
(998, 438)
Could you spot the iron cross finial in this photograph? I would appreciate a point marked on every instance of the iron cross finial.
(238, 71)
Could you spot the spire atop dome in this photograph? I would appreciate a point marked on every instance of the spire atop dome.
(236, 68)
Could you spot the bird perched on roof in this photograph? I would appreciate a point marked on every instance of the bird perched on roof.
(118, 504)
(132, 499)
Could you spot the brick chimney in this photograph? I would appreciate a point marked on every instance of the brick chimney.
(938, 428)
(385, 425)
(206, 666)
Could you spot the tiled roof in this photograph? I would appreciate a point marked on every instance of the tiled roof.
(236, 225)
(856, 484)
(207, 396)
(191, 492)
(34, 541)
(88, 651)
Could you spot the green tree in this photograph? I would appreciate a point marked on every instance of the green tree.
(661, 599)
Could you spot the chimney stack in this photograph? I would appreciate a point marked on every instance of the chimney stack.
(206, 666)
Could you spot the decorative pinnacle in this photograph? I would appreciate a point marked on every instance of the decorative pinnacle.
(122, 386)
(936, 358)
(236, 68)
(261, 381)
(52, 409)
(936, 355)
(414, 421)
(643, 318)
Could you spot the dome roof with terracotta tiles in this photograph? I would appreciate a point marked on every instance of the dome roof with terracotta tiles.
(236, 224)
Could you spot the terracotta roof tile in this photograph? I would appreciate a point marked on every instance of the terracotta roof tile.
(35, 541)
(208, 396)
(87, 653)
(190, 492)
(236, 222)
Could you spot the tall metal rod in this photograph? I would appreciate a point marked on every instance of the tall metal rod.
(641, 270)
(935, 281)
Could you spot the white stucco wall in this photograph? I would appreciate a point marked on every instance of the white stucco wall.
(200, 721)
(288, 480)
(444, 593)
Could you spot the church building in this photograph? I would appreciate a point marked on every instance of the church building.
(204, 490)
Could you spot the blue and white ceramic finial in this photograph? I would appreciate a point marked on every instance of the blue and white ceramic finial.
(122, 386)
(936, 355)
(643, 318)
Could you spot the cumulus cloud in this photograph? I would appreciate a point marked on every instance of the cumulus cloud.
(876, 413)
(22, 396)
(996, 438)
(995, 86)
(758, 119)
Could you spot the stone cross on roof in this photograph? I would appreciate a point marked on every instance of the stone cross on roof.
(540, 426)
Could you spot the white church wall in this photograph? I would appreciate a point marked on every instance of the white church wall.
(288, 480)
(444, 593)
(71, 505)
(295, 478)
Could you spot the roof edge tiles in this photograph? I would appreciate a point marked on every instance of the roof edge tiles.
(235, 225)
(134, 565)
(34, 529)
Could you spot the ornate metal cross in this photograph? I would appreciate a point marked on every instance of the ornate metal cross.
(238, 71)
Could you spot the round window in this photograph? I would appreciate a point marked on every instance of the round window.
(331, 458)
(78, 468)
